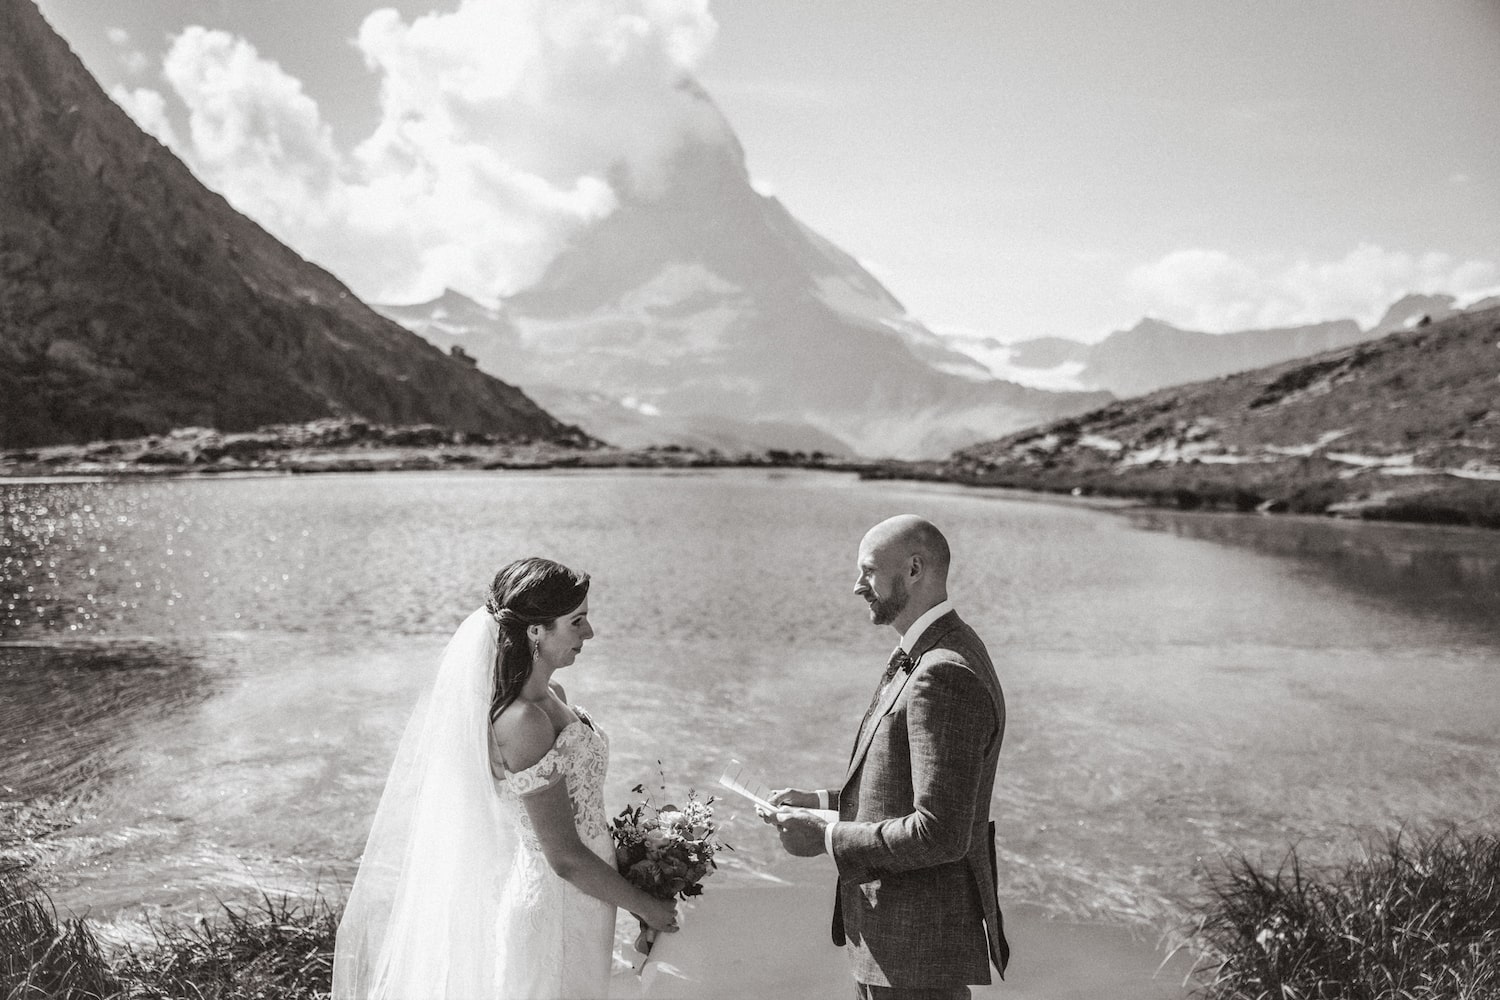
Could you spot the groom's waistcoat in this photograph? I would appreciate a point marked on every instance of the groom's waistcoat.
(914, 846)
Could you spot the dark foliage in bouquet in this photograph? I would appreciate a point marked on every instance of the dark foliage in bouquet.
(666, 850)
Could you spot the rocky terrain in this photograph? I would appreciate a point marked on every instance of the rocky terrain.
(133, 300)
(344, 445)
(1406, 427)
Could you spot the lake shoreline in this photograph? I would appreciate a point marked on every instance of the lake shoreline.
(340, 445)
(350, 446)
(1434, 500)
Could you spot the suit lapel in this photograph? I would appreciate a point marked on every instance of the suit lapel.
(927, 640)
(887, 699)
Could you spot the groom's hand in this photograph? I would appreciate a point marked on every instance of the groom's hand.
(801, 832)
(794, 797)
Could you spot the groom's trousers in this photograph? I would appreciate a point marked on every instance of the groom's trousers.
(867, 991)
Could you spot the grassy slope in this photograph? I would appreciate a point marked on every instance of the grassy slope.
(1405, 427)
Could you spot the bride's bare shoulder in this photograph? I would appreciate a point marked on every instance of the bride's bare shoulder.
(523, 734)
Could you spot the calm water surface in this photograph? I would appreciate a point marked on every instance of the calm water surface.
(213, 673)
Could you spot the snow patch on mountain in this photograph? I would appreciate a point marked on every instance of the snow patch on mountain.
(999, 361)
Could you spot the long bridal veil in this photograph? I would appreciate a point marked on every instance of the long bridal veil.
(421, 918)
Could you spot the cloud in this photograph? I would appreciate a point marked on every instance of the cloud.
(504, 126)
(149, 110)
(253, 134)
(1214, 291)
(133, 59)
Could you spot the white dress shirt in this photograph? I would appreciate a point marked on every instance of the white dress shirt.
(908, 640)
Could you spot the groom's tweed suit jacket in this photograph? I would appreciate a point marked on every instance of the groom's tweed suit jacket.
(914, 846)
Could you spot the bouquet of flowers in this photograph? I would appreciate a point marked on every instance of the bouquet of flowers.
(667, 850)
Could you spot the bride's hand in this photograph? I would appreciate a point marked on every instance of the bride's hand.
(660, 916)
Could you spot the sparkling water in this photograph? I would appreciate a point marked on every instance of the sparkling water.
(211, 674)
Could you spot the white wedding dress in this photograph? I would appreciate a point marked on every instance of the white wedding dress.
(454, 899)
(557, 941)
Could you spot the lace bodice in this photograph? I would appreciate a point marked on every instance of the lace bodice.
(579, 757)
(556, 939)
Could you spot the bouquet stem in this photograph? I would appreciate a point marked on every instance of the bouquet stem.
(645, 939)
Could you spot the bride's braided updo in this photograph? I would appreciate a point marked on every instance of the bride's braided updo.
(528, 592)
(506, 618)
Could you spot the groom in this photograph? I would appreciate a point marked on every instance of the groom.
(916, 902)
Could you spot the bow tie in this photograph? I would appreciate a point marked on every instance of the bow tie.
(900, 660)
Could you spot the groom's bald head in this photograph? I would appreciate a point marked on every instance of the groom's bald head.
(906, 536)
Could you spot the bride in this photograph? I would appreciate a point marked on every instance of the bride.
(489, 870)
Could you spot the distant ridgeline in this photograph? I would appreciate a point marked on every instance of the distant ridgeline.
(1154, 354)
(1406, 427)
(133, 300)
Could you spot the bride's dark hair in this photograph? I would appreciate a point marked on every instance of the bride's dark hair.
(528, 592)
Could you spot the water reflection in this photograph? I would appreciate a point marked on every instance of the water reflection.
(1452, 571)
(71, 711)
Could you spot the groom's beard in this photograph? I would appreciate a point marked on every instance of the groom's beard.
(883, 610)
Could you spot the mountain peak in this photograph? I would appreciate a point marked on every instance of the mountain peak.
(1151, 325)
(1410, 308)
(700, 302)
(707, 160)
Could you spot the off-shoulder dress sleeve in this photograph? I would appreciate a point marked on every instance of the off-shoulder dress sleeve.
(539, 776)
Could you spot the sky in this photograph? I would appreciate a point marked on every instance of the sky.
(1007, 169)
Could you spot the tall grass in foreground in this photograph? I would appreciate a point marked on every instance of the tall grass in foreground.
(1416, 918)
(41, 956)
(281, 948)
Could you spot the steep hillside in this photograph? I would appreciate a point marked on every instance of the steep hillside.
(1407, 426)
(133, 300)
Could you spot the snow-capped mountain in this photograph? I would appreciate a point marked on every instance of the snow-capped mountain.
(702, 312)
(1153, 354)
